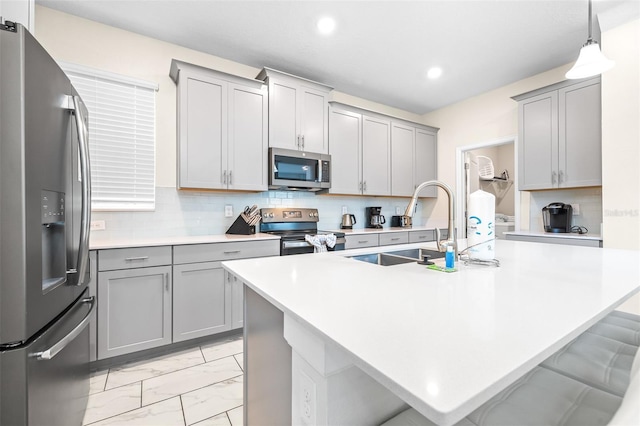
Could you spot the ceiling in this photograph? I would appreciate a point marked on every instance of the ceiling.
(380, 50)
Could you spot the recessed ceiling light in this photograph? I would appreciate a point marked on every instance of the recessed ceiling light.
(326, 25)
(434, 73)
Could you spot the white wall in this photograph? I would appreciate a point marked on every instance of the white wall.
(621, 142)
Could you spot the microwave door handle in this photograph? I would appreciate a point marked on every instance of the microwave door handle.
(85, 173)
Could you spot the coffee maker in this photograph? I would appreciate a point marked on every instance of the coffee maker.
(373, 217)
(557, 217)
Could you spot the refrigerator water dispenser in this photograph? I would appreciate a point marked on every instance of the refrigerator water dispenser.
(54, 252)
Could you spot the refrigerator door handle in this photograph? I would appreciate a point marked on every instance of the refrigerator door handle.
(85, 171)
(62, 343)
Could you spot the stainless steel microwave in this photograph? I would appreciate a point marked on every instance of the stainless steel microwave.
(298, 170)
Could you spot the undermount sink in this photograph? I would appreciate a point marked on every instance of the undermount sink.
(398, 257)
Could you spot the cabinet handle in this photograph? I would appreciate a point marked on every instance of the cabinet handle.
(298, 141)
(363, 242)
(231, 252)
(395, 239)
(303, 142)
(553, 177)
(360, 186)
(364, 186)
(166, 281)
(422, 237)
(230, 177)
(224, 177)
(132, 259)
(560, 176)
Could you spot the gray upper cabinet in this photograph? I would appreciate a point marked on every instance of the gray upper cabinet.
(222, 129)
(559, 136)
(298, 113)
(372, 154)
(376, 156)
(426, 159)
(345, 147)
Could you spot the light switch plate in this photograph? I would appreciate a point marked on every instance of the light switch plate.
(344, 209)
(398, 210)
(576, 209)
(228, 210)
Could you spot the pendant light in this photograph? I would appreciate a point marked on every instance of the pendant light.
(591, 61)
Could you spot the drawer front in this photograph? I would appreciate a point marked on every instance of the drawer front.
(422, 236)
(361, 241)
(213, 252)
(394, 238)
(137, 257)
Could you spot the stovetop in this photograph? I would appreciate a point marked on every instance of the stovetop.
(300, 234)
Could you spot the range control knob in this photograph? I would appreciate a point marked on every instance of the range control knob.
(315, 214)
(271, 215)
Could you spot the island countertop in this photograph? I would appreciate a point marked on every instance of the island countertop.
(447, 342)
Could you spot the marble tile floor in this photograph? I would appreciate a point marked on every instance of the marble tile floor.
(200, 386)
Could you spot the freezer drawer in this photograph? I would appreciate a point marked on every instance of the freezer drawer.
(46, 382)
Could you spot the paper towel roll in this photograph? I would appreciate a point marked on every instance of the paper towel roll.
(480, 225)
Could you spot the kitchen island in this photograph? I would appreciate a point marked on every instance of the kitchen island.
(367, 339)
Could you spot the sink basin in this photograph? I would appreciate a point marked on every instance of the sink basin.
(383, 259)
(398, 257)
(418, 253)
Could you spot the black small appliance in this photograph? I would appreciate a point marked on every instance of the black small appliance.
(373, 217)
(557, 217)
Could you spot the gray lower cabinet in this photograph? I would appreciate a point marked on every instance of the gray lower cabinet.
(134, 310)
(390, 238)
(201, 300)
(93, 291)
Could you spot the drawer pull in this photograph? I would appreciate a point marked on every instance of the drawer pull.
(132, 259)
(422, 237)
(395, 239)
(232, 252)
(363, 242)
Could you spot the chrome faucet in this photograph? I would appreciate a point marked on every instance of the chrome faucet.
(451, 239)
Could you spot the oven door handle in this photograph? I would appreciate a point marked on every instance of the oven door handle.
(297, 244)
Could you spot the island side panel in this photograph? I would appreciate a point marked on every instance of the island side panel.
(267, 363)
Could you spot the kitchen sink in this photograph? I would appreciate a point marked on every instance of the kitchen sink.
(398, 257)
(383, 259)
(417, 253)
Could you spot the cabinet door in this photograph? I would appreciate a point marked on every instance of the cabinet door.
(134, 310)
(314, 122)
(426, 161)
(237, 301)
(345, 138)
(203, 132)
(93, 291)
(402, 160)
(201, 300)
(283, 120)
(538, 139)
(247, 146)
(580, 140)
(376, 159)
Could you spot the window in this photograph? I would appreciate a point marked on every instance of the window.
(121, 138)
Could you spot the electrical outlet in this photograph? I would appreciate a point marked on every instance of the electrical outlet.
(228, 210)
(398, 210)
(98, 225)
(576, 209)
(307, 400)
(344, 210)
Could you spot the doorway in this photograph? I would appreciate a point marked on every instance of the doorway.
(491, 166)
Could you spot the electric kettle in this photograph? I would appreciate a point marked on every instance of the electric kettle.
(348, 220)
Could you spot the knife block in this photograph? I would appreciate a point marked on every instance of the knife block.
(241, 227)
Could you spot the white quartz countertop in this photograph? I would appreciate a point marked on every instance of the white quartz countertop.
(447, 342)
(571, 235)
(175, 241)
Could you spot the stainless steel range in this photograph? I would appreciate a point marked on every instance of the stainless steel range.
(293, 224)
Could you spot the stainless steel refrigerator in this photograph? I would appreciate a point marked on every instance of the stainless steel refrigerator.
(44, 233)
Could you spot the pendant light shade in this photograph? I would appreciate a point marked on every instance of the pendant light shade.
(591, 61)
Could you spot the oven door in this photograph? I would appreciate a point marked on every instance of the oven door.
(298, 246)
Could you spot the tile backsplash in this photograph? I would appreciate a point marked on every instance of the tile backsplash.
(186, 213)
(589, 199)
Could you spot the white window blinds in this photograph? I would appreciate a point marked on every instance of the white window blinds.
(121, 138)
